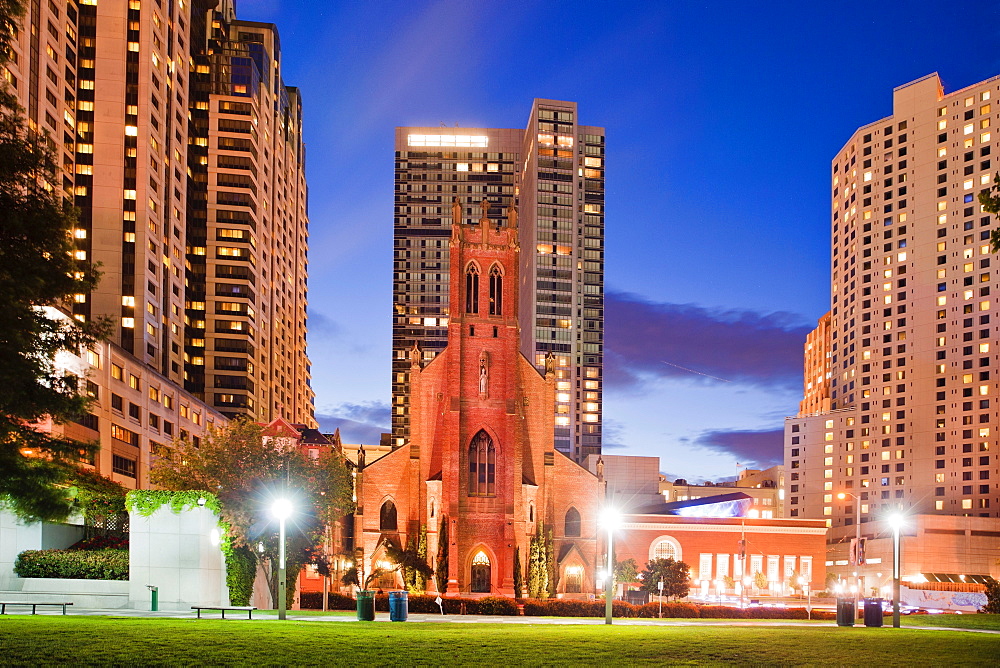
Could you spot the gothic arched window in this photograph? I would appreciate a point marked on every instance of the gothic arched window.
(496, 290)
(387, 517)
(482, 466)
(472, 289)
(572, 522)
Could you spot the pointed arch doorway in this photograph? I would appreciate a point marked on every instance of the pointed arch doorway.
(482, 576)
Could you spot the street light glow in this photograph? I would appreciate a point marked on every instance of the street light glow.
(610, 518)
(281, 509)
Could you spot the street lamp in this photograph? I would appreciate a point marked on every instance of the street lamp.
(856, 557)
(896, 521)
(281, 509)
(809, 592)
(610, 518)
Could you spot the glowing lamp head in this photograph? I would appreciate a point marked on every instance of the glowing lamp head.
(610, 518)
(281, 509)
(896, 521)
(841, 496)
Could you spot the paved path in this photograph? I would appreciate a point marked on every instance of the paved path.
(473, 619)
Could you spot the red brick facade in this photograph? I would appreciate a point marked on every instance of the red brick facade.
(711, 548)
(481, 399)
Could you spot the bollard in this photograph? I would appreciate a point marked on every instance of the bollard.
(154, 594)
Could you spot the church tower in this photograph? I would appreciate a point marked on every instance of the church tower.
(481, 459)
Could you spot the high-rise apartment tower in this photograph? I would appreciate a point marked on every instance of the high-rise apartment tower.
(901, 406)
(553, 172)
(182, 149)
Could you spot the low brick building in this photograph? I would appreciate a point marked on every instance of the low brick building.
(711, 547)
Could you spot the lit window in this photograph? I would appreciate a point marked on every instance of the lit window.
(478, 141)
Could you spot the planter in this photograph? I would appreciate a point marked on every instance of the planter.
(366, 605)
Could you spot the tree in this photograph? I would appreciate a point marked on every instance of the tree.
(518, 574)
(676, 577)
(760, 581)
(247, 469)
(551, 570)
(626, 571)
(409, 562)
(420, 578)
(538, 571)
(37, 270)
(992, 597)
(441, 570)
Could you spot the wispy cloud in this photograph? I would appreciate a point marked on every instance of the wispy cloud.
(645, 338)
(756, 449)
(358, 423)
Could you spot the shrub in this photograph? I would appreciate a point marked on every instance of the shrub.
(680, 610)
(108, 541)
(497, 605)
(334, 601)
(73, 564)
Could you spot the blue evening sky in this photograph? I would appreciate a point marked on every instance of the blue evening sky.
(721, 119)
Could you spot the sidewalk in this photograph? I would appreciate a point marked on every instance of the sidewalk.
(347, 616)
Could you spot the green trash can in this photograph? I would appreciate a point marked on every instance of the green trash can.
(398, 606)
(366, 606)
(845, 612)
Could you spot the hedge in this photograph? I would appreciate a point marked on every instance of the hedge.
(110, 564)
(498, 605)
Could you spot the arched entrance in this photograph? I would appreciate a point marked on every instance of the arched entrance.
(481, 574)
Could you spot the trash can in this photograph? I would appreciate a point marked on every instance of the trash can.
(398, 606)
(845, 612)
(873, 612)
(366, 606)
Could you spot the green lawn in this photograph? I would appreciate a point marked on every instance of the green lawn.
(991, 622)
(55, 639)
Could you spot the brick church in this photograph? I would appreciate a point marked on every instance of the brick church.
(481, 456)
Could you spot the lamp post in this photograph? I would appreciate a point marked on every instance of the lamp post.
(808, 587)
(281, 509)
(896, 522)
(659, 587)
(610, 519)
(857, 545)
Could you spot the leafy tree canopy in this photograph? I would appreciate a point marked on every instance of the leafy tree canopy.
(676, 577)
(247, 469)
(37, 269)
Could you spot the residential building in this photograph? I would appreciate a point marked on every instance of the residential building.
(247, 226)
(135, 411)
(553, 171)
(181, 148)
(913, 335)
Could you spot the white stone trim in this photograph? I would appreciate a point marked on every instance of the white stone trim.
(724, 528)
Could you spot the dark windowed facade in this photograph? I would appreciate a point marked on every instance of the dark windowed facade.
(573, 523)
(496, 290)
(472, 289)
(482, 466)
(387, 517)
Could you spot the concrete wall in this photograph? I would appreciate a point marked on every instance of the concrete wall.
(16, 537)
(179, 553)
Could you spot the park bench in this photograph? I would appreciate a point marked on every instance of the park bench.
(249, 609)
(3, 605)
